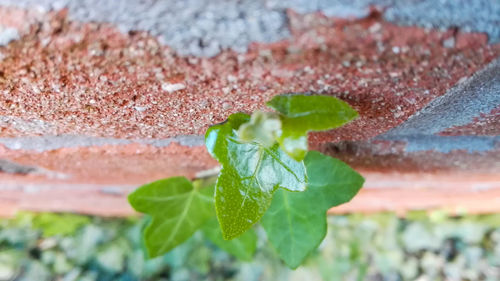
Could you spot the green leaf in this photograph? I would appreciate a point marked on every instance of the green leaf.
(214, 135)
(296, 221)
(295, 225)
(239, 203)
(177, 210)
(242, 247)
(333, 179)
(315, 113)
(59, 224)
(303, 113)
(249, 176)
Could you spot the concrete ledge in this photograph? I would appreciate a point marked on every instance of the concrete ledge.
(394, 192)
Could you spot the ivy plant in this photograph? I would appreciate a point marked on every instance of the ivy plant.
(267, 174)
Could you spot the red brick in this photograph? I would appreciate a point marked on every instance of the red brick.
(89, 79)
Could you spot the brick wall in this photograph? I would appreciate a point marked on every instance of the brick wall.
(98, 99)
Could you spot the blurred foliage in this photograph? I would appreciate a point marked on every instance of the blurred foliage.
(382, 246)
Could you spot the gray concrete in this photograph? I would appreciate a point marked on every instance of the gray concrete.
(33, 188)
(52, 142)
(7, 34)
(191, 27)
(10, 167)
(204, 27)
(468, 15)
(331, 8)
(478, 94)
(38, 127)
(446, 144)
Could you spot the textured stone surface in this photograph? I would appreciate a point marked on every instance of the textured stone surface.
(467, 15)
(53, 142)
(92, 80)
(8, 34)
(195, 27)
(476, 95)
(393, 156)
(486, 124)
(205, 27)
(441, 125)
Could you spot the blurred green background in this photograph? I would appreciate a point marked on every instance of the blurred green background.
(382, 246)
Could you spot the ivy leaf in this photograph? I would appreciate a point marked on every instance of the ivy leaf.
(303, 113)
(333, 179)
(59, 224)
(242, 247)
(177, 210)
(296, 221)
(313, 113)
(295, 225)
(249, 176)
(239, 203)
(214, 137)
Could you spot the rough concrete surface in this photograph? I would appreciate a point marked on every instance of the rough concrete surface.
(8, 34)
(54, 142)
(205, 27)
(461, 105)
(468, 15)
(14, 168)
(393, 156)
(486, 124)
(194, 27)
(478, 94)
(447, 144)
